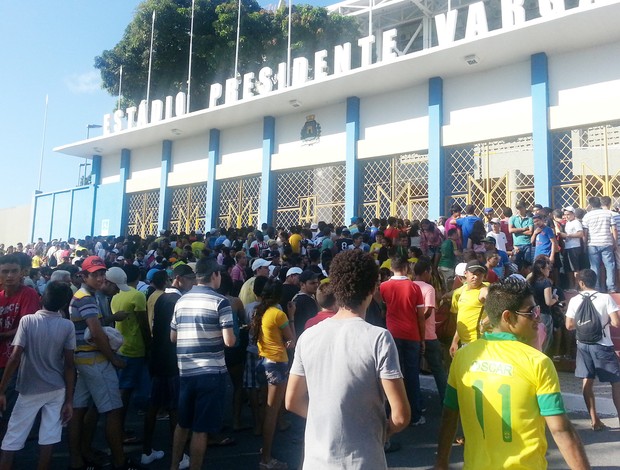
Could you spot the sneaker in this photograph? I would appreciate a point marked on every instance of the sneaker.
(419, 422)
(152, 457)
(273, 464)
(184, 463)
(131, 465)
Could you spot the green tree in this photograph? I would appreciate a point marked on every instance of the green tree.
(262, 42)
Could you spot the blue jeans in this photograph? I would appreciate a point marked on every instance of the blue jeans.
(409, 358)
(434, 356)
(525, 252)
(605, 254)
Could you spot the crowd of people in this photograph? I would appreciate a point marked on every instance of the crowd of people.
(320, 319)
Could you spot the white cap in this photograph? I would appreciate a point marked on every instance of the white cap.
(569, 209)
(460, 269)
(294, 270)
(118, 277)
(259, 263)
(314, 227)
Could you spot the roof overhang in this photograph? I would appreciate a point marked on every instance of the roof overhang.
(575, 29)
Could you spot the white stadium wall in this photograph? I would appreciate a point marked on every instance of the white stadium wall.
(488, 105)
(110, 169)
(241, 151)
(584, 98)
(395, 122)
(144, 169)
(190, 161)
(290, 151)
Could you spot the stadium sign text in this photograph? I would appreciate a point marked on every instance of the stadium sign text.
(268, 79)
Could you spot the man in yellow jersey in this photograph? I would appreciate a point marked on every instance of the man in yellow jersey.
(468, 305)
(505, 391)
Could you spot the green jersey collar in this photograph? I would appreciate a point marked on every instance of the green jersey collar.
(500, 336)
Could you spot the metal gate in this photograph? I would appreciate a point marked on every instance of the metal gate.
(142, 213)
(239, 202)
(189, 204)
(309, 196)
(396, 186)
(586, 162)
(491, 174)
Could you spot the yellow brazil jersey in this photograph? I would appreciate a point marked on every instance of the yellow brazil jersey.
(466, 305)
(503, 389)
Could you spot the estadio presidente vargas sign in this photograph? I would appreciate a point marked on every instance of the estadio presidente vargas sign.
(512, 14)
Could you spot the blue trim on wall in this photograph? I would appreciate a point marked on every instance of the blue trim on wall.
(96, 170)
(352, 188)
(436, 154)
(212, 186)
(541, 137)
(267, 189)
(164, 192)
(124, 175)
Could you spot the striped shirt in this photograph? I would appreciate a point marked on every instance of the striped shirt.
(199, 318)
(598, 222)
(84, 305)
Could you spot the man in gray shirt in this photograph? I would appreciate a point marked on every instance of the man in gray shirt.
(43, 349)
(344, 365)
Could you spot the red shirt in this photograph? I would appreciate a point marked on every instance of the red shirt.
(492, 278)
(391, 233)
(402, 298)
(319, 317)
(12, 309)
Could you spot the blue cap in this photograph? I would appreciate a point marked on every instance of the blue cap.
(151, 273)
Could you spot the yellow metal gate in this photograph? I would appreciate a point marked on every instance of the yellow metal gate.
(586, 162)
(142, 213)
(491, 174)
(396, 186)
(309, 196)
(239, 202)
(188, 208)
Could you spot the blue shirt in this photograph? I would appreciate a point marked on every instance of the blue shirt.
(543, 242)
(466, 224)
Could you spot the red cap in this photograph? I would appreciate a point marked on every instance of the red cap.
(92, 264)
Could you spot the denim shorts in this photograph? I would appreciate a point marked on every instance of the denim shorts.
(131, 375)
(202, 400)
(597, 360)
(275, 372)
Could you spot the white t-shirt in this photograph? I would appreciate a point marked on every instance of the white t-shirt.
(343, 361)
(572, 227)
(500, 240)
(604, 304)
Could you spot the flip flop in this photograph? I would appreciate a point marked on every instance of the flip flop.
(600, 427)
(226, 441)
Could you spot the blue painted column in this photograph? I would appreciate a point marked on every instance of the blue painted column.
(267, 182)
(436, 154)
(124, 176)
(164, 192)
(352, 188)
(541, 137)
(95, 181)
(212, 186)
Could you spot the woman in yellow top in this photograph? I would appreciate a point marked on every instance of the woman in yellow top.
(274, 333)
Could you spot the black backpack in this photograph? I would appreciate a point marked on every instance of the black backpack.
(588, 321)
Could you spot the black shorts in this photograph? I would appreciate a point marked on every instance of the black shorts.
(572, 260)
(597, 360)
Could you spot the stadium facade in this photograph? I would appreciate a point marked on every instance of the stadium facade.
(486, 103)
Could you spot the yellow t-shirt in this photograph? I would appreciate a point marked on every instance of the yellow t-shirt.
(271, 343)
(503, 389)
(375, 246)
(150, 307)
(131, 301)
(295, 242)
(36, 261)
(467, 307)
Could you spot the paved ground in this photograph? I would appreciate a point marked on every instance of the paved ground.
(418, 444)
